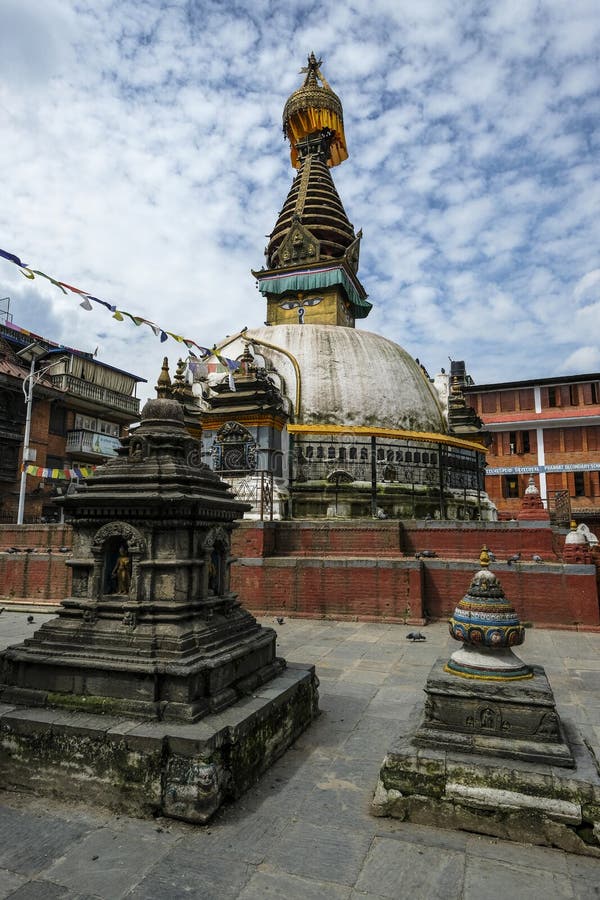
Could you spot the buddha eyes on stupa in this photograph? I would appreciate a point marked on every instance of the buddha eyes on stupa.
(292, 304)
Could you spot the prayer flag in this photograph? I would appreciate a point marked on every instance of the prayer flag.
(12, 258)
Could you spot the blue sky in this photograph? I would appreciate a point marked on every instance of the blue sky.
(143, 161)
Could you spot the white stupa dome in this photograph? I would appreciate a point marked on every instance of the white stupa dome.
(348, 377)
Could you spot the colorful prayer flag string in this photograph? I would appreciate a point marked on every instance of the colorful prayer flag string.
(230, 364)
(58, 474)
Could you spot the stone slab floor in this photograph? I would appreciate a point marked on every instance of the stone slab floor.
(305, 831)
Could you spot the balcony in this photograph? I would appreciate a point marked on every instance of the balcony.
(96, 394)
(92, 442)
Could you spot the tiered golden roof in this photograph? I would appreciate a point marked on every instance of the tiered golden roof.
(313, 201)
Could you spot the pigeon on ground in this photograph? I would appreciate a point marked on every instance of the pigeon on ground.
(426, 554)
(13, 550)
(537, 558)
(280, 620)
(415, 636)
(64, 549)
(30, 619)
(515, 558)
(2, 610)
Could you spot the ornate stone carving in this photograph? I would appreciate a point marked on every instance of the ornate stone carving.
(130, 620)
(130, 534)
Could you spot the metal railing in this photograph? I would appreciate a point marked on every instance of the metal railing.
(82, 441)
(254, 487)
(401, 461)
(96, 393)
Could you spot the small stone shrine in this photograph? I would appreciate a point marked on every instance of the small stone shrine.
(153, 686)
(532, 506)
(487, 751)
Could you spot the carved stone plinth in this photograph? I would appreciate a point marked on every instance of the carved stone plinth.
(460, 787)
(510, 719)
(142, 767)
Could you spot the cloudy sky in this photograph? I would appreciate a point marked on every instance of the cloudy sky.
(142, 160)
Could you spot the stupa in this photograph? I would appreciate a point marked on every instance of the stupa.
(153, 684)
(354, 423)
(487, 751)
(532, 506)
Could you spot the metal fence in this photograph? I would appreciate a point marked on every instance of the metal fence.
(255, 487)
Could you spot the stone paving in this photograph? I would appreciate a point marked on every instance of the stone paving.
(305, 831)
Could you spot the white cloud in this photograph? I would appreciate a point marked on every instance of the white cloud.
(146, 164)
(584, 359)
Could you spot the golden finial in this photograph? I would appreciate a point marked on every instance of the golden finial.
(484, 559)
(313, 108)
(573, 524)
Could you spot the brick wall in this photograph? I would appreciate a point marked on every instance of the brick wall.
(376, 578)
(367, 570)
(370, 590)
(39, 575)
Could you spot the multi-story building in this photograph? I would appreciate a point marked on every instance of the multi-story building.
(548, 428)
(80, 409)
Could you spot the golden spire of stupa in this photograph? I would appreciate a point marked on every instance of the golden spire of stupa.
(312, 108)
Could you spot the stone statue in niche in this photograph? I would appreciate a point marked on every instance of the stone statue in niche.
(122, 571)
(214, 572)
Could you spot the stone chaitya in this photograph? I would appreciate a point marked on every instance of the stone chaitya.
(487, 751)
(152, 629)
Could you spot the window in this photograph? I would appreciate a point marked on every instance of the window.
(417, 457)
(552, 440)
(594, 392)
(398, 455)
(342, 454)
(526, 400)
(511, 486)
(507, 401)
(512, 441)
(58, 419)
(309, 452)
(573, 440)
(364, 453)
(554, 482)
(551, 396)
(390, 456)
(331, 453)
(488, 403)
(380, 454)
(353, 453)
(85, 423)
(579, 484)
(108, 428)
(319, 452)
(593, 437)
(525, 443)
(426, 459)
(408, 456)
(573, 395)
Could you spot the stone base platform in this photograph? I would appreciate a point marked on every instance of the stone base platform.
(183, 771)
(510, 799)
(514, 719)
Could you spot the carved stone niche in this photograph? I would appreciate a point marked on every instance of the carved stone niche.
(217, 563)
(299, 245)
(105, 551)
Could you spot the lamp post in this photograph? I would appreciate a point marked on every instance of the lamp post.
(31, 354)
